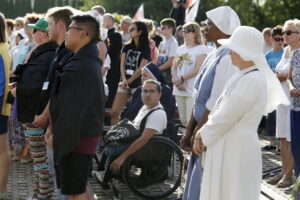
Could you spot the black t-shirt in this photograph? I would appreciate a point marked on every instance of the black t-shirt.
(133, 60)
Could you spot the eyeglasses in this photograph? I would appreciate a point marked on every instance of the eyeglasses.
(76, 28)
(186, 30)
(289, 32)
(278, 39)
(132, 29)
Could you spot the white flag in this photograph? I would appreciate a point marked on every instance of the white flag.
(139, 15)
(191, 10)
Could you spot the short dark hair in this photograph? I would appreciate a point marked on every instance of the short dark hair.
(277, 30)
(2, 28)
(169, 22)
(99, 9)
(32, 18)
(10, 23)
(158, 86)
(61, 13)
(90, 24)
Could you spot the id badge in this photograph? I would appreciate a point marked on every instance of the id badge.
(45, 85)
(129, 72)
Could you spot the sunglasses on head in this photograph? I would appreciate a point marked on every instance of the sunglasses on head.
(278, 39)
(186, 30)
(289, 32)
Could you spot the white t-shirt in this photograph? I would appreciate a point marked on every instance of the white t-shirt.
(157, 120)
(167, 48)
(186, 60)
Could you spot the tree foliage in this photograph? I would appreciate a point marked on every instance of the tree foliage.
(269, 14)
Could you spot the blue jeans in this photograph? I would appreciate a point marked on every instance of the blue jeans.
(295, 139)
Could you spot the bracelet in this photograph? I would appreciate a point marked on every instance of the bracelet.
(182, 79)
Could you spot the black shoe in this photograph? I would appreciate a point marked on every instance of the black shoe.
(268, 148)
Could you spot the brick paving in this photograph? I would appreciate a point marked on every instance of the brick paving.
(21, 181)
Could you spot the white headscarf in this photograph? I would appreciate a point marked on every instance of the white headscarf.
(248, 43)
(225, 18)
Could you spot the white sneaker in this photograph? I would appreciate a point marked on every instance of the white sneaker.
(99, 175)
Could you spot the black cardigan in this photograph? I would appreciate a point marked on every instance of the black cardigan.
(31, 77)
(77, 101)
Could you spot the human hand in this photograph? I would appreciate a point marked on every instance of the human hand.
(181, 87)
(124, 85)
(40, 120)
(14, 92)
(177, 81)
(185, 142)
(198, 146)
(117, 163)
(294, 92)
(49, 137)
(12, 85)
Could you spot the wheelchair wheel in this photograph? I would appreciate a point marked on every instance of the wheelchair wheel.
(154, 171)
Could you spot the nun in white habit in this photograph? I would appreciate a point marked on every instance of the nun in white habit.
(232, 161)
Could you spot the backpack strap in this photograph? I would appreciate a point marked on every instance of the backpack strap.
(143, 122)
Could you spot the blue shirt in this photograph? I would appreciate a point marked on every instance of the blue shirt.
(273, 58)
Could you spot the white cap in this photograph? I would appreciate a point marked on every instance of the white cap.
(248, 43)
(225, 18)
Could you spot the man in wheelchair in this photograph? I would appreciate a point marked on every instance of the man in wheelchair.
(156, 122)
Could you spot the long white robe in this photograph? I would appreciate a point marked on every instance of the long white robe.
(233, 164)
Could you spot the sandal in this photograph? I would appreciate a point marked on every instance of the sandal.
(275, 179)
(285, 182)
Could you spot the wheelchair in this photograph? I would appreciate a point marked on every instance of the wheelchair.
(154, 171)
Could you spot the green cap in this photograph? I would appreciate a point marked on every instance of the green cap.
(42, 24)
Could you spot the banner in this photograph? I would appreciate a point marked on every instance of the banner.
(139, 15)
(191, 10)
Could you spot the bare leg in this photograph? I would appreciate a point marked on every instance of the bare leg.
(4, 162)
(290, 162)
(283, 154)
(120, 101)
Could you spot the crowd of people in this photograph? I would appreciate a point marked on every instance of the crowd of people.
(66, 73)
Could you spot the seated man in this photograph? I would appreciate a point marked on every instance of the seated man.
(150, 71)
(155, 124)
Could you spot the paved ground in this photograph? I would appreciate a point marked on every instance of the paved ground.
(20, 182)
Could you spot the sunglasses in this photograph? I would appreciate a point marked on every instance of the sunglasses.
(289, 32)
(132, 29)
(36, 30)
(186, 30)
(278, 39)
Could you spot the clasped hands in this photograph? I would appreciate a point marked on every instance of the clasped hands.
(198, 146)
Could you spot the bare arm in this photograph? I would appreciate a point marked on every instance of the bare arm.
(136, 145)
(293, 91)
(281, 77)
(102, 51)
